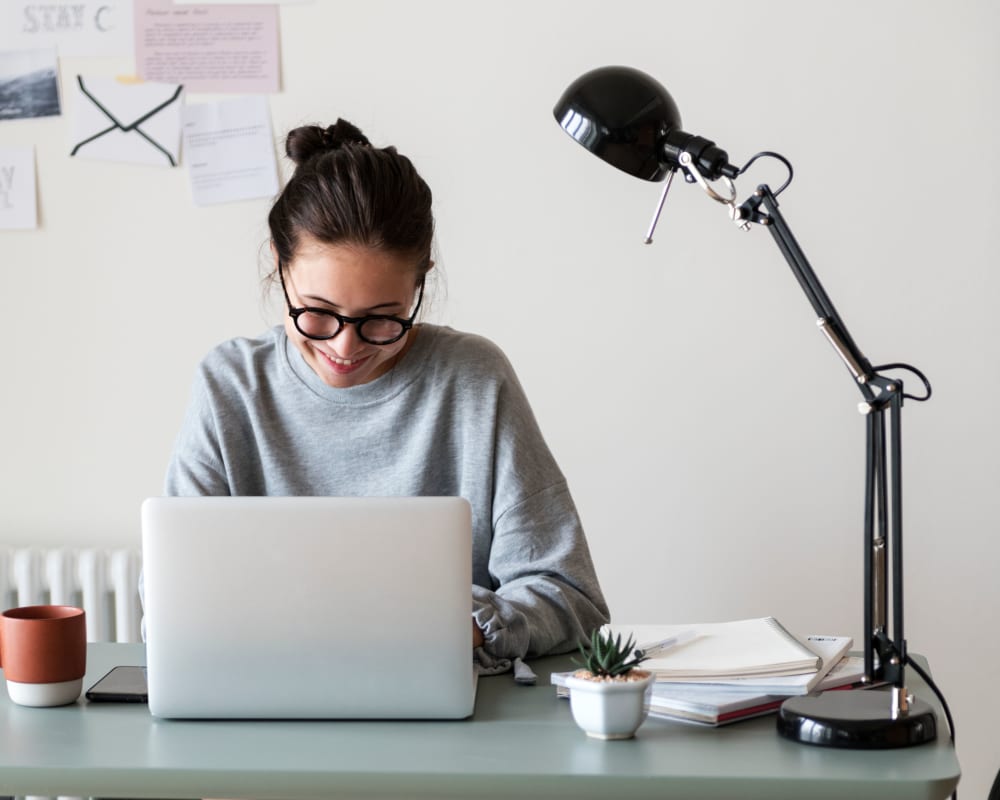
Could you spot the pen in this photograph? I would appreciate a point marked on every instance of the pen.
(660, 647)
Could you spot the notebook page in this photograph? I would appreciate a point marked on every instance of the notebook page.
(740, 648)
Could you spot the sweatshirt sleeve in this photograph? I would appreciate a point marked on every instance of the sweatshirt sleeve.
(547, 596)
(544, 594)
(196, 465)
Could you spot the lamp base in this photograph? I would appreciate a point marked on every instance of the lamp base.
(859, 719)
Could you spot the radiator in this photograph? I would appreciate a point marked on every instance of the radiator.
(104, 583)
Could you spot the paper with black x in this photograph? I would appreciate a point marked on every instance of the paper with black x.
(138, 123)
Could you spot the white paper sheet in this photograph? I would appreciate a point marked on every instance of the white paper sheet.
(79, 28)
(139, 123)
(229, 150)
(18, 203)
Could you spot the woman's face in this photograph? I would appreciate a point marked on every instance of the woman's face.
(354, 281)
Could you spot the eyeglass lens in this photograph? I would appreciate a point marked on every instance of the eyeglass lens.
(376, 331)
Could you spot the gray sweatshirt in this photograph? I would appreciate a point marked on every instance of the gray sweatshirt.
(449, 419)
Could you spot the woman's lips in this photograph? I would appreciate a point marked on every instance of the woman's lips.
(342, 366)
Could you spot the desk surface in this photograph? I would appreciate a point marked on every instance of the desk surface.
(521, 742)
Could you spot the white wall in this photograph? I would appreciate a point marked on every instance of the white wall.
(708, 431)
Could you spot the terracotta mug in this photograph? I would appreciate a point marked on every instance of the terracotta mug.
(43, 653)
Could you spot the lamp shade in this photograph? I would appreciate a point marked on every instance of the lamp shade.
(621, 115)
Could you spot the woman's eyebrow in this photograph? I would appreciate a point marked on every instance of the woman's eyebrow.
(317, 299)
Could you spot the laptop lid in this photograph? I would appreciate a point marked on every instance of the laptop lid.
(308, 607)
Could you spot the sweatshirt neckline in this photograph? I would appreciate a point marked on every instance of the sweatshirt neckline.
(383, 388)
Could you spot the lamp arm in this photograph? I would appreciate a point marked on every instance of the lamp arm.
(828, 320)
(883, 398)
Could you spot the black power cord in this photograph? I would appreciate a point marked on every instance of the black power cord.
(940, 696)
(915, 371)
(779, 157)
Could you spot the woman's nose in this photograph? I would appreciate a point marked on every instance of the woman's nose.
(347, 341)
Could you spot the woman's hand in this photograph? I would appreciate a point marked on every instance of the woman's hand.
(477, 635)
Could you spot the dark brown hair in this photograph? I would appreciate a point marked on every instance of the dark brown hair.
(344, 191)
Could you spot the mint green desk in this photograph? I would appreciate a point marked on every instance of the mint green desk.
(521, 743)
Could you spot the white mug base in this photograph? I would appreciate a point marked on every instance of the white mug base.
(45, 694)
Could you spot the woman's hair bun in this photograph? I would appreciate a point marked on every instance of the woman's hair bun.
(310, 141)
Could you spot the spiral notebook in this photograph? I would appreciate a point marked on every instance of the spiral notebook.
(738, 649)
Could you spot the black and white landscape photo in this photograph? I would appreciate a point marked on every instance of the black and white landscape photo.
(29, 85)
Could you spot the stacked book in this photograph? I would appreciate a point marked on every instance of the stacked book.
(722, 672)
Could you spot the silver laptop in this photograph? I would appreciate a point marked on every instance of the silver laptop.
(308, 607)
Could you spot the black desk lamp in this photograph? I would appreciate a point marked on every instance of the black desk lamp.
(629, 120)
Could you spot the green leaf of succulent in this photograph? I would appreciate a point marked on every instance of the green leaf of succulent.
(606, 656)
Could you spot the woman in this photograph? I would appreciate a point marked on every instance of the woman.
(351, 397)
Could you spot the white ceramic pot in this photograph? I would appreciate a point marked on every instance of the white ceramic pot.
(610, 709)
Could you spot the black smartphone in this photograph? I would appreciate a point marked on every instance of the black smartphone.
(120, 685)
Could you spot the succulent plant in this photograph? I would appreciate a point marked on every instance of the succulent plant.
(605, 656)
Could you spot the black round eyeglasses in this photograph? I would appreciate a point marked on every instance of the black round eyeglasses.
(321, 323)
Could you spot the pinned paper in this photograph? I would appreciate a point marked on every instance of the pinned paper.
(135, 122)
(18, 203)
(208, 48)
(28, 84)
(241, 2)
(229, 150)
(77, 28)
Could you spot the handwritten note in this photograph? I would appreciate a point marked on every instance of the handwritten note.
(229, 150)
(18, 204)
(208, 48)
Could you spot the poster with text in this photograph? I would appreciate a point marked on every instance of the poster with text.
(213, 48)
(80, 28)
(18, 203)
(229, 149)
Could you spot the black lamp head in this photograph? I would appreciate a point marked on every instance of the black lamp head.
(620, 115)
(628, 119)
